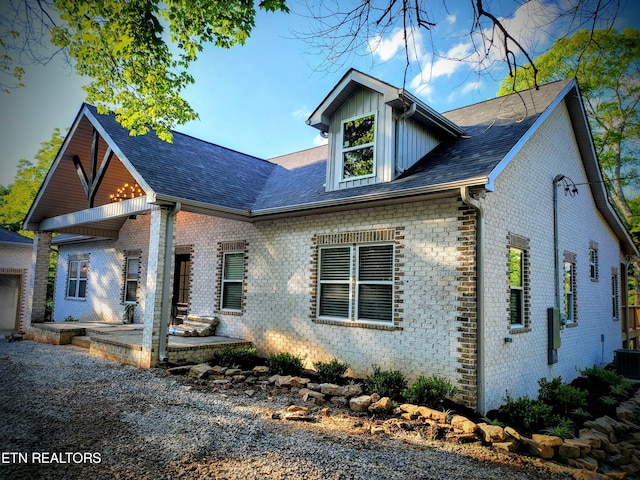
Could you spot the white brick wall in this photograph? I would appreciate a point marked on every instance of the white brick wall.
(277, 317)
(16, 260)
(522, 203)
(104, 282)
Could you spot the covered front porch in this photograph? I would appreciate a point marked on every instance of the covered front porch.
(124, 342)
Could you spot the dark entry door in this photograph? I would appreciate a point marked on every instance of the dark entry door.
(181, 280)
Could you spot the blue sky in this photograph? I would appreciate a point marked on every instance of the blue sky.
(255, 98)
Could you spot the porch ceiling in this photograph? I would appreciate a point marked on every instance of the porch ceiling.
(63, 194)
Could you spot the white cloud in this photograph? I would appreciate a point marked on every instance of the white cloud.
(387, 48)
(451, 19)
(301, 113)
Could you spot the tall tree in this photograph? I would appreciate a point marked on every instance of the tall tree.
(606, 64)
(19, 196)
(137, 52)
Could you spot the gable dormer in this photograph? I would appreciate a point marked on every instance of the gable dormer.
(375, 131)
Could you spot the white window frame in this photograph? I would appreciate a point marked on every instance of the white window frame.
(128, 278)
(593, 264)
(372, 145)
(569, 313)
(517, 288)
(227, 281)
(615, 297)
(354, 283)
(82, 266)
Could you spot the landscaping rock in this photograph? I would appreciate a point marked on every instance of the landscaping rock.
(381, 406)
(360, 404)
(550, 440)
(492, 433)
(201, 370)
(260, 371)
(584, 463)
(437, 415)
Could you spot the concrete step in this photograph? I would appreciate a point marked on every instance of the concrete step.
(81, 341)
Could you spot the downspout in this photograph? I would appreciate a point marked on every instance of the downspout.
(475, 204)
(626, 300)
(556, 253)
(396, 149)
(166, 282)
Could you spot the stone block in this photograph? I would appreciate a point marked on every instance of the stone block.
(202, 370)
(360, 404)
(437, 415)
(492, 433)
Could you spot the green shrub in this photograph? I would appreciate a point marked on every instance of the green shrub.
(236, 357)
(562, 398)
(533, 415)
(331, 372)
(284, 364)
(386, 383)
(602, 380)
(430, 391)
(71, 318)
(563, 429)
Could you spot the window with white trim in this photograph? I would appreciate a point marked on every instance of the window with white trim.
(358, 147)
(569, 283)
(232, 278)
(516, 286)
(615, 296)
(593, 264)
(355, 282)
(132, 275)
(77, 278)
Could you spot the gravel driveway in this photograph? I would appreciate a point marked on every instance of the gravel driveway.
(66, 414)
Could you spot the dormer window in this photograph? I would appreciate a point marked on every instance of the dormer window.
(358, 147)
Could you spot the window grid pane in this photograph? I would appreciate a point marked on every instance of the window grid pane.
(232, 277)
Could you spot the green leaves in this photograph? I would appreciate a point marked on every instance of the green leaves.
(18, 197)
(137, 53)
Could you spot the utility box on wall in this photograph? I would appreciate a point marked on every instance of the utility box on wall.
(553, 330)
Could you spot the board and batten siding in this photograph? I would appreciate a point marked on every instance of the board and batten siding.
(415, 142)
(362, 102)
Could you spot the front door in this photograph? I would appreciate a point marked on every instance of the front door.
(9, 301)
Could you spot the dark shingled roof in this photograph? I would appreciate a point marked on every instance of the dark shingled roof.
(7, 236)
(200, 171)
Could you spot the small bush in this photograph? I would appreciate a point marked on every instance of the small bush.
(386, 383)
(71, 318)
(331, 372)
(601, 380)
(236, 357)
(533, 415)
(284, 364)
(430, 391)
(562, 398)
(563, 429)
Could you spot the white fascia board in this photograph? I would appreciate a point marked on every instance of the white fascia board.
(121, 156)
(525, 138)
(104, 212)
(54, 165)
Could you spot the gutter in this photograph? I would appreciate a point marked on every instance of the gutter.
(166, 282)
(480, 344)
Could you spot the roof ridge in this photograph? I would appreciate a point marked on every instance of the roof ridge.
(506, 96)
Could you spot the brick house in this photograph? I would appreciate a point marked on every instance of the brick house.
(15, 280)
(478, 245)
